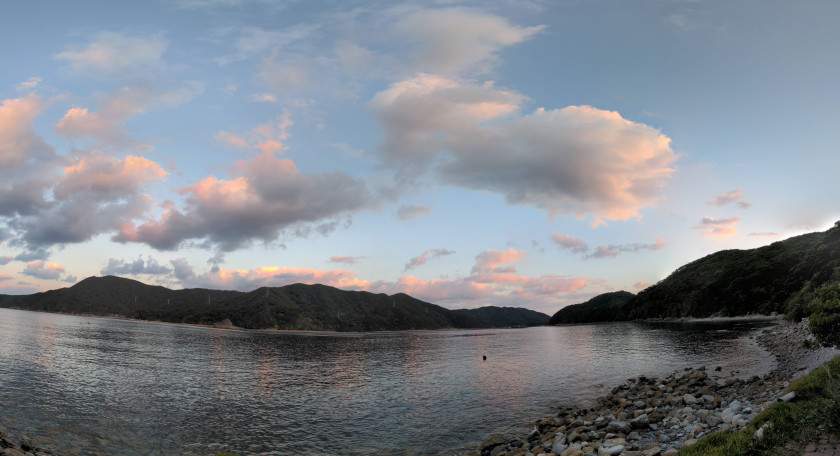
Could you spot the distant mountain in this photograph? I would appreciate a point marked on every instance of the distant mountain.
(780, 277)
(499, 317)
(292, 307)
(604, 307)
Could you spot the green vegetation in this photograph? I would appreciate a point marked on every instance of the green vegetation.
(825, 315)
(783, 277)
(604, 307)
(292, 307)
(786, 424)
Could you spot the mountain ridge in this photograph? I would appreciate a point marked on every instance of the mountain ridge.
(313, 307)
(778, 278)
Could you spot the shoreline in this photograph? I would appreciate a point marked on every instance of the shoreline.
(656, 417)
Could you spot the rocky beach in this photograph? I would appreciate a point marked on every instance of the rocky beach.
(650, 416)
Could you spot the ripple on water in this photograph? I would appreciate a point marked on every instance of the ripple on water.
(133, 388)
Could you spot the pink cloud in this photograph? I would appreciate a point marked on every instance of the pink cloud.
(769, 234)
(267, 137)
(269, 195)
(18, 140)
(5, 277)
(489, 260)
(719, 229)
(274, 276)
(346, 259)
(43, 270)
(735, 196)
(104, 174)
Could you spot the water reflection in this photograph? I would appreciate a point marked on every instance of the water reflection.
(97, 385)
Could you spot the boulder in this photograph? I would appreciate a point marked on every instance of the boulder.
(618, 426)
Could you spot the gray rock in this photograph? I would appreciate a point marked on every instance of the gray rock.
(727, 415)
(618, 426)
(639, 422)
(689, 399)
(788, 397)
(610, 450)
(713, 420)
(559, 448)
(735, 405)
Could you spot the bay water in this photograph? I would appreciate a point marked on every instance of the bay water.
(90, 385)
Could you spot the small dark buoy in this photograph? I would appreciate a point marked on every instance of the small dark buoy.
(484, 358)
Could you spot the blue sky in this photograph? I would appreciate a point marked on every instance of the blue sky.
(518, 153)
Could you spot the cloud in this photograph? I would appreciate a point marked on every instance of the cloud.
(20, 288)
(578, 160)
(149, 266)
(5, 260)
(183, 270)
(70, 279)
(641, 285)
(430, 253)
(113, 54)
(269, 195)
(34, 254)
(612, 251)
(268, 137)
(264, 98)
(104, 175)
(719, 229)
(5, 277)
(735, 196)
(768, 234)
(29, 84)
(449, 40)
(106, 126)
(346, 259)
(569, 243)
(18, 140)
(95, 195)
(274, 276)
(410, 212)
(286, 74)
(42, 270)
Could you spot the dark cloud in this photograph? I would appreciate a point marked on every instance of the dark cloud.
(612, 251)
(269, 195)
(148, 266)
(33, 255)
(182, 269)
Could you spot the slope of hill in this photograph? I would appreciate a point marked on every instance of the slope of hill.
(779, 277)
(604, 307)
(498, 317)
(292, 307)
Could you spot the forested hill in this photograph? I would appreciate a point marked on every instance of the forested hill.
(499, 317)
(781, 277)
(292, 307)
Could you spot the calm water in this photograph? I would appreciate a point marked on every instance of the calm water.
(95, 385)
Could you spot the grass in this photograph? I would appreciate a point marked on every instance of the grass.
(795, 423)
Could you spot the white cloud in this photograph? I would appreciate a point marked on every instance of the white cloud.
(719, 229)
(452, 40)
(578, 160)
(113, 54)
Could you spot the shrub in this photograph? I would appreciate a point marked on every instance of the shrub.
(825, 315)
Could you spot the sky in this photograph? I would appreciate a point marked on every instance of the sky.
(513, 153)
